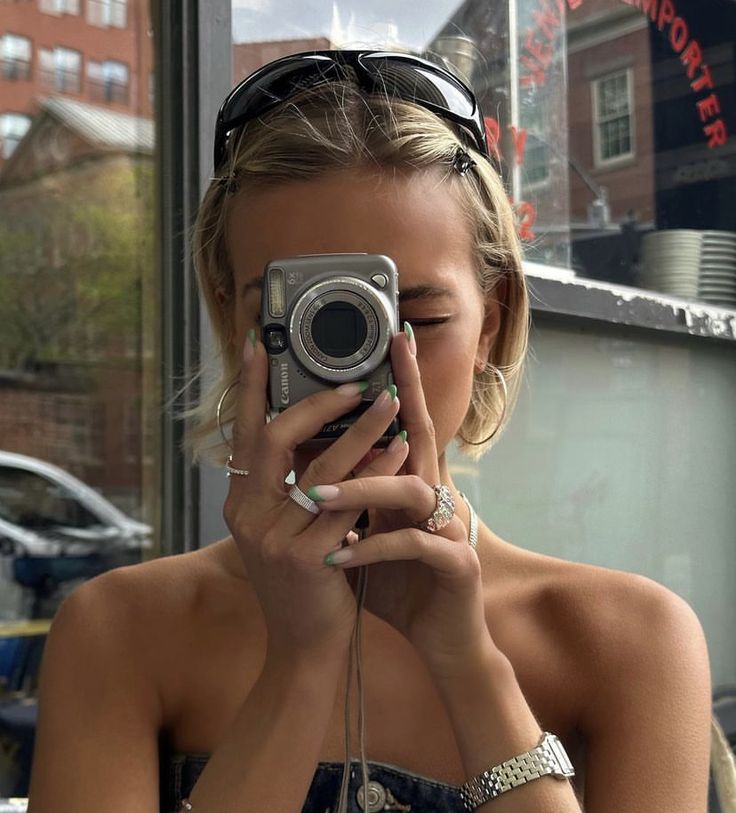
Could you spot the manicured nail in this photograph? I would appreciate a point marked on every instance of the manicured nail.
(338, 557)
(250, 346)
(409, 330)
(398, 442)
(388, 396)
(323, 493)
(352, 389)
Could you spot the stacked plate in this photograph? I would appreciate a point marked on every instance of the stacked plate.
(670, 262)
(718, 268)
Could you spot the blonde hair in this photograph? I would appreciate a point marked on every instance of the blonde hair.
(336, 127)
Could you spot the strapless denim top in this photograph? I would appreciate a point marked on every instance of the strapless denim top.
(390, 787)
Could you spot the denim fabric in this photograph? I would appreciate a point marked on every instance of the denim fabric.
(405, 792)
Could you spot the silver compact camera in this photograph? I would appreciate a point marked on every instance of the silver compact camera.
(328, 319)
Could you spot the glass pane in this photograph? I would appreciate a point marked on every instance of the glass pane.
(79, 328)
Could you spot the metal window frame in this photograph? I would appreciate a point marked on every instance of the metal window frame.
(192, 73)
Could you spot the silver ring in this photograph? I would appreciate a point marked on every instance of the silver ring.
(230, 469)
(300, 498)
(444, 510)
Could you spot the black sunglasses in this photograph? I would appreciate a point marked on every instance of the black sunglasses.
(402, 76)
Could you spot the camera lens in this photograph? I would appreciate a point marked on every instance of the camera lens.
(339, 329)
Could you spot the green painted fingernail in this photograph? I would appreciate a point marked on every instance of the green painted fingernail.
(403, 435)
(322, 493)
(393, 391)
(252, 336)
(409, 330)
(338, 557)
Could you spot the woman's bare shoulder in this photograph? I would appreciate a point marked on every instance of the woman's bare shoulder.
(165, 596)
(595, 618)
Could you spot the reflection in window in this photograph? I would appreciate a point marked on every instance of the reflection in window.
(15, 56)
(108, 81)
(612, 112)
(60, 69)
(31, 501)
(13, 126)
(112, 13)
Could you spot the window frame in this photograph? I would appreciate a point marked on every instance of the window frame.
(55, 53)
(5, 59)
(105, 84)
(3, 117)
(53, 7)
(104, 16)
(598, 160)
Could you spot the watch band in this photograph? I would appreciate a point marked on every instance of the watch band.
(549, 758)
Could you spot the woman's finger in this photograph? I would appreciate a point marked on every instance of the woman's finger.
(409, 493)
(415, 417)
(250, 393)
(452, 559)
(335, 524)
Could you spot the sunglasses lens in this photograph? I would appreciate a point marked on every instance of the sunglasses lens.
(420, 84)
(274, 84)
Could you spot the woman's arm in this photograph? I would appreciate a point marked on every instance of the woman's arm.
(646, 721)
(268, 758)
(493, 723)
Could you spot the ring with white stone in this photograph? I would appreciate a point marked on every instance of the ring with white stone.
(230, 469)
(301, 499)
(444, 510)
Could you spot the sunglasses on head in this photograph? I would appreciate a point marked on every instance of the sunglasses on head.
(397, 75)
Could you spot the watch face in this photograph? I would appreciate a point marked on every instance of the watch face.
(557, 751)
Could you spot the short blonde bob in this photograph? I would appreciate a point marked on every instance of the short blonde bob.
(338, 127)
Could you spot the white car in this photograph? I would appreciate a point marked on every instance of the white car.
(57, 527)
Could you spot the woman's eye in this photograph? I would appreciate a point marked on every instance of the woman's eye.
(427, 322)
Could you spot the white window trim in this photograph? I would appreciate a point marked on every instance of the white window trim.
(609, 163)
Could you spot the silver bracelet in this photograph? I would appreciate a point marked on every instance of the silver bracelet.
(549, 758)
(185, 806)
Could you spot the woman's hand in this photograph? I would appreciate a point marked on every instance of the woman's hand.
(309, 609)
(426, 585)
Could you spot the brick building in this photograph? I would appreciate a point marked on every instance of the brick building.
(97, 51)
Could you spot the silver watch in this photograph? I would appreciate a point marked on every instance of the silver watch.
(548, 758)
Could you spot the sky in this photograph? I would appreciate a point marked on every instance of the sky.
(348, 23)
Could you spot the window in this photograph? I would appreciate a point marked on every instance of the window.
(60, 69)
(613, 119)
(15, 55)
(108, 81)
(113, 13)
(59, 6)
(13, 126)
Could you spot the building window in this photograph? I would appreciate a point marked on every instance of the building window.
(108, 81)
(59, 6)
(107, 13)
(13, 126)
(60, 69)
(15, 56)
(613, 119)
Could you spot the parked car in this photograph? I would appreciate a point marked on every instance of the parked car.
(56, 528)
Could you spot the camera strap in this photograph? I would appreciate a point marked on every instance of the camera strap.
(355, 651)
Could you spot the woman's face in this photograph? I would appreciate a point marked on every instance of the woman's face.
(413, 219)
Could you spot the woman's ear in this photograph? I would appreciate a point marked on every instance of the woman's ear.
(495, 305)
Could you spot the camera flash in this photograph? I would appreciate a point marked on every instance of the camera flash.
(276, 293)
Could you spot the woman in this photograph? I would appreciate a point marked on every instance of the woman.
(234, 657)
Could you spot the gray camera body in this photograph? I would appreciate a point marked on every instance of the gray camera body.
(328, 319)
